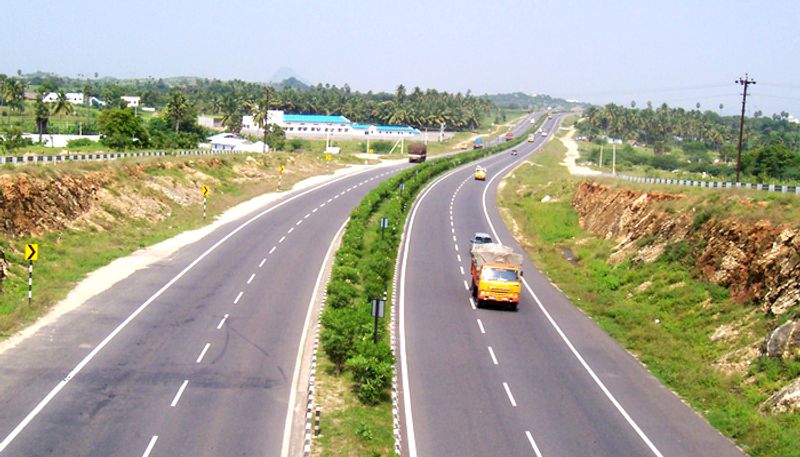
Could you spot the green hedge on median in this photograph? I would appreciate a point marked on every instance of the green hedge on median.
(363, 269)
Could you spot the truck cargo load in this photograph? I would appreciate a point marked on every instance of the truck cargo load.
(496, 274)
(478, 144)
(417, 152)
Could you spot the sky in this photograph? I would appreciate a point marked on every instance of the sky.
(678, 52)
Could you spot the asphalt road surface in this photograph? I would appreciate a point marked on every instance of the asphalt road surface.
(543, 381)
(193, 356)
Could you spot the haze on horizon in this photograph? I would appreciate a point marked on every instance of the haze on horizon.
(680, 52)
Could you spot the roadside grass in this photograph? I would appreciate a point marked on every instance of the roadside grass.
(660, 312)
(68, 255)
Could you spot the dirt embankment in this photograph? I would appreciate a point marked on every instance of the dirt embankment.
(757, 261)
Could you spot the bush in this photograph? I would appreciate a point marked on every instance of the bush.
(341, 326)
(80, 143)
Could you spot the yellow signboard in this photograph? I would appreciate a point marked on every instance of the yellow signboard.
(327, 157)
(280, 169)
(31, 252)
(204, 190)
(371, 151)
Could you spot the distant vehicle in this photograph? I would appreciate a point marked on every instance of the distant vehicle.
(417, 152)
(514, 152)
(480, 173)
(509, 136)
(531, 137)
(544, 133)
(549, 114)
(480, 238)
(496, 274)
(533, 120)
(478, 144)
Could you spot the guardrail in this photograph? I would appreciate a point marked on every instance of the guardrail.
(714, 184)
(45, 159)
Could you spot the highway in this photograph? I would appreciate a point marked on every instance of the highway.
(195, 355)
(543, 381)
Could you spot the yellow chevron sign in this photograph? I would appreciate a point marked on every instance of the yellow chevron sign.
(31, 252)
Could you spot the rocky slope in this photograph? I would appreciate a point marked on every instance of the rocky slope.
(759, 262)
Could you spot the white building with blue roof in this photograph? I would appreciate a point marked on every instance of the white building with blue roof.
(322, 126)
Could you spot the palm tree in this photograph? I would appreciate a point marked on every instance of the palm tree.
(177, 108)
(42, 117)
(62, 105)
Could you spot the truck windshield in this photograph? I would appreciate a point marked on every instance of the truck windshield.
(496, 274)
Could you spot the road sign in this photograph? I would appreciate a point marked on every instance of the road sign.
(384, 222)
(204, 190)
(280, 169)
(327, 157)
(31, 252)
(371, 151)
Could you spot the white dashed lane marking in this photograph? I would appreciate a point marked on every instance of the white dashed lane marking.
(491, 352)
(251, 278)
(466, 286)
(203, 353)
(265, 259)
(281, 240)
(510, 396)
(150, 446)
(222, 322)
(290, 230)
(272, 250)
(179, 393)
(533, 444)
(461, 268)
(238, 297)
(480, 326)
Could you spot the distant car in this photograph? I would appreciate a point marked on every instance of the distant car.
(531, 138)
(480, 238)
(480, 173)
(514, 152)
(544, 133)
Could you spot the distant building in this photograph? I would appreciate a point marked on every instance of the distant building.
(231, 142)
(76, 98)
(131, 100)
(322, 126)
(210, 122)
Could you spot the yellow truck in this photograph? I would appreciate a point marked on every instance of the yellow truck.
(496, 275)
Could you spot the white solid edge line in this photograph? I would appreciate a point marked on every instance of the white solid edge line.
(510, 396)
(202, 353)
(238, 297)
(179, 393)
(88, 358)
(563, 336)
(480, 326)
(287, 427)
(150, 446)
(409, 431)
(533, 444)
(491, 353)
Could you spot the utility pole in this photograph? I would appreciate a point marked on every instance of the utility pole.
(266, 118)
(744, 82)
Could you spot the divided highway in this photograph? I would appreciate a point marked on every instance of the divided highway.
(543, 381)
(193, 356)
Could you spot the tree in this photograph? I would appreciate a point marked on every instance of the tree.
(62, 105)
(12, 138)
(121, 129)
(12, 92)
(42, 117)
(178, 109)
(275, 137)
(633, 103)
(770, 161)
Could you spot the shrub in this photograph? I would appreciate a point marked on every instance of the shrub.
(80, 143)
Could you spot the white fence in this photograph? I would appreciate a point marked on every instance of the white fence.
(714, 184)
(46, 159)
